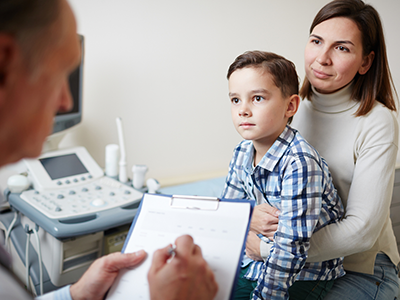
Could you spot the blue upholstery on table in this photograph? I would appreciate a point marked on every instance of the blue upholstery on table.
(208, 188)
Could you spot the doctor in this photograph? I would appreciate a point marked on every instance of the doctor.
(38, 50)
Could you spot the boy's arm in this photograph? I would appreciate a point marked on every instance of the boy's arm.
(300, 204)
(234, 187)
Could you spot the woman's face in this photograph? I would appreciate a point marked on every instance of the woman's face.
(334, 55)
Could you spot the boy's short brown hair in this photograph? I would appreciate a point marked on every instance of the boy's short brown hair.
(283, 71)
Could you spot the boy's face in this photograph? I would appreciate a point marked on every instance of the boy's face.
(259, 111)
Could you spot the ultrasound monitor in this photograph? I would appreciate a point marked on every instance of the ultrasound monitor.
(63, 121)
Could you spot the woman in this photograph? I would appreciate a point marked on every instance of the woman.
(349, 118)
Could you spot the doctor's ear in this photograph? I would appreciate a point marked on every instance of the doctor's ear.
(292, 106)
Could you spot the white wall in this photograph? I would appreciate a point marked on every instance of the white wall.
(161, 66)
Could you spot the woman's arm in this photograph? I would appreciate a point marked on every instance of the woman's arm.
(263, 221)
(367, 208)
(370, 193)
(368, 199)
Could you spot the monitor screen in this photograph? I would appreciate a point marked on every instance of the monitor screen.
(66, 120)
(63, 166)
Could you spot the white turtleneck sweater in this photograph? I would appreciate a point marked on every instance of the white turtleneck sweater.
(361, 154)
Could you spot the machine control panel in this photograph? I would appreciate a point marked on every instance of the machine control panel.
(69, 183)
(97, 195)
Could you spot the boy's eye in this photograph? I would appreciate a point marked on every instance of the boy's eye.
(235, 100)
(317, 42)
(258, 98)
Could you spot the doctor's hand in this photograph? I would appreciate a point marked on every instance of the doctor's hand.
(96, 281)
(186, 276)
(253, 246)
(265, 220)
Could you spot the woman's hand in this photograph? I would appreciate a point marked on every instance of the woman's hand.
(265, 220)
(253, 246)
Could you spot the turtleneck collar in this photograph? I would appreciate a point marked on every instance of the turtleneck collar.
(333, 103)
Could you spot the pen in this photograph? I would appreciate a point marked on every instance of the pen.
(172, 251)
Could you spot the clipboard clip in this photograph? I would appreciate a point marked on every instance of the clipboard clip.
(199, 203)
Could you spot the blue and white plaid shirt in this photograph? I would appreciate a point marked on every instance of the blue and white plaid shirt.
(293, 178)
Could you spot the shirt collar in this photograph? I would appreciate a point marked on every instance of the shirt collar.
(274, 154)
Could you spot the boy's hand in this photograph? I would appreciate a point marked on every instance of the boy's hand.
(253, 246)
(265, 220)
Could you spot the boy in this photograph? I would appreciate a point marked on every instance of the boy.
(274, 164)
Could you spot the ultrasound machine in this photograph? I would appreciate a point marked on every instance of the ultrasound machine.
(63, 212)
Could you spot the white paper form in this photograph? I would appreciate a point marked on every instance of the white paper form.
(220, 233)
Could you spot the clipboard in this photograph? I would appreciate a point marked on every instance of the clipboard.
(218, 226)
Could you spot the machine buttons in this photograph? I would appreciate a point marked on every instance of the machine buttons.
(88, 197)
(98, 202)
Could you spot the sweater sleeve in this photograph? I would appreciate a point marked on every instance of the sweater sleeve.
(370, 193)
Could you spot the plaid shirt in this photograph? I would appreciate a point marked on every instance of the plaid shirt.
(293, 178)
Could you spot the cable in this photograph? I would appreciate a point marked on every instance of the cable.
(28, 238)
(10, 228)
(35, 231)
(27, 256)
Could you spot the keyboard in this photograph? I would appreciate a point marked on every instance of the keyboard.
(100, 194)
